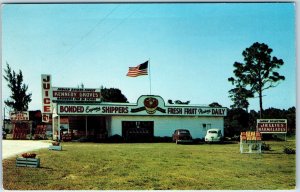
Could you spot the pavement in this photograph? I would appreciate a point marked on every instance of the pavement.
(11, 148)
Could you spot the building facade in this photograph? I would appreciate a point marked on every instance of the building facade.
(149, 117)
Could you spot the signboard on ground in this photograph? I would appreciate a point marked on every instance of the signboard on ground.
(271, 125)
(19, 116)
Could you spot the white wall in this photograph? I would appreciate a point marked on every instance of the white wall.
(165, 126)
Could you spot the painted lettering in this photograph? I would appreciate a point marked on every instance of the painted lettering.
(218, 111)
(71, 109)
(46, 100)
(92, 109)
(47, 109)
(47, 79)
(174, 110)
(114, 109)
(190, 111)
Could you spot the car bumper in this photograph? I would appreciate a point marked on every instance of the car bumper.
(213, 140)
(184, 141)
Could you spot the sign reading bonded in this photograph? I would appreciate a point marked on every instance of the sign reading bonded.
(272, 125)
(76, 94)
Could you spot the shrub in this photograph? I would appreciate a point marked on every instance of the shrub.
(265, 147)
(289, 150)
(115, 139)
(163, 139)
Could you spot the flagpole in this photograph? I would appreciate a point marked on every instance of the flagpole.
(149, 75)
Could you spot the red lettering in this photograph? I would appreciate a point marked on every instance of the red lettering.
(47, 109)
(71, 109)
(46, 100)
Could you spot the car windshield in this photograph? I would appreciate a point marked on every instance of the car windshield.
(212, 132)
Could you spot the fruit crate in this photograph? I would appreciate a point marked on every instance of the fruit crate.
(27, 162)
(56, 148)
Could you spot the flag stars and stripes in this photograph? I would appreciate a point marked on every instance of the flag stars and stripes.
(141, 69)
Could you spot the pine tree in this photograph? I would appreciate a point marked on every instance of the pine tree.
(19, 100)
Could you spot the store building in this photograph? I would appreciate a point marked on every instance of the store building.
(86, 116)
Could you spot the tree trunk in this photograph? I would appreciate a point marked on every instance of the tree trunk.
(260, 104)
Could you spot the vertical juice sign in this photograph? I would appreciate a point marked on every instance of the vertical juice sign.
(46, 97)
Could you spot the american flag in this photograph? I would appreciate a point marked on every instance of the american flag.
(141, 69)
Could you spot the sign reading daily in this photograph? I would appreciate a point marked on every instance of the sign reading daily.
(146, 105)
(272, 125)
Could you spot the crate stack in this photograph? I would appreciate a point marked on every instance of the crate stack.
(20, 131)
(67, 137)
(250, 138)
(40, 132)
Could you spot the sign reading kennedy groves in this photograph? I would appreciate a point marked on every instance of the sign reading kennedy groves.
(76, 94)
(272, 125)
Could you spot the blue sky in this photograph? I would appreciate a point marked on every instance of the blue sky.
(191, 47)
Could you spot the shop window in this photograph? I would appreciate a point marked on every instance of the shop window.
(206, 126)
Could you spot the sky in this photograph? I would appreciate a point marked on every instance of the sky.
(191, 47)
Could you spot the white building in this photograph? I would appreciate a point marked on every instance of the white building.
(149, 117)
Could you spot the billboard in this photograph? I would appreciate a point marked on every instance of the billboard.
(19, 116)
(76, 94)
(271, 125)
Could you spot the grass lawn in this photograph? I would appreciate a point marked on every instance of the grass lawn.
(147, 166)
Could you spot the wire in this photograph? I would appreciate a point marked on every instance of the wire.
(116, 26)
(90, 31)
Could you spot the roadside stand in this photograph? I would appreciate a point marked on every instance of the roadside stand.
(250, 142)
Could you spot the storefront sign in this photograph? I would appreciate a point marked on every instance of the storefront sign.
(146, 105)
(19, 116)
(45, 117)
(272, 125)
(76, 94)
(46, 94)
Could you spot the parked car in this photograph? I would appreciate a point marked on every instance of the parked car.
(49, 134)
(182, 136)
(213, 135)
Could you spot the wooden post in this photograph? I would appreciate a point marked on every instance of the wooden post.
(86, 126)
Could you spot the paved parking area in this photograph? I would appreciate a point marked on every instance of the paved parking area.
(12, 148)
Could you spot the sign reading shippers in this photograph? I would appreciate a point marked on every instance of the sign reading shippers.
(272, 125)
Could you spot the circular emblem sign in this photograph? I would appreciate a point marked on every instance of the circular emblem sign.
(151, 104)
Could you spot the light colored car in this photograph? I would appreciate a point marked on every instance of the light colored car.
(213, 135)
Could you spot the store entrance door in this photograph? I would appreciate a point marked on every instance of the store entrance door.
(138, 131)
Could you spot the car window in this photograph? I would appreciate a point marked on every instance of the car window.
(212, 132)
(184, 131)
